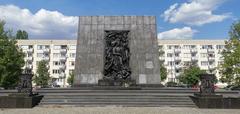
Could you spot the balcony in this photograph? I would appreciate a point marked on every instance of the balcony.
(46, 50)
(63, 58)
(63, 50)
(62, 75)
(46, 58)
(194, 59)
(177, 50)
(177, 59)
(28, 67)
(193, 50)
(29, 59)
(211, 67)
(161, 58)
(210, 50)
(62, 67)
(211, 58)
(178, 66)
(30, 50)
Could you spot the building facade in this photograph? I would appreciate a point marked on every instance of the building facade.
(175, 55)
(60, 55)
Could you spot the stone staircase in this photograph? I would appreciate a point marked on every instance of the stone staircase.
(145, 97)
(119, 97)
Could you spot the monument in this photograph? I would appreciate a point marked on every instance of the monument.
(24, 98)
(115, 50)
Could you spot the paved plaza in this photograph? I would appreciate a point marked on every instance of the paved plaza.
(117, 110)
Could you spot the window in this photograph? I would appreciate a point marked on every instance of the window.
(177, 63)
(24, 46)
(40, 47)
(169, 47)
(72, 47)
(204, 63)
(30, 46)
(193, 54)
(177, 71)
(211, 63)
(71, 63)
(170, 63)
(186, 55)
(57, 47)
(62, 55)
(211, 55)
(56, 63)
(56, 55)
(72, 55)
(176, 54)
(63, 46)
(220, 46)
(187, 63)
(29, 54)
(40, 55)
(55, 71)
(207, 47)
(169, 54)
(47, 47)
(204, 55)
(177, 47)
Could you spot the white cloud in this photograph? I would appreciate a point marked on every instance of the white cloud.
(177, 33)
(42, 24)
(194, 12)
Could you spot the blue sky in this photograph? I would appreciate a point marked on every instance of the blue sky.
(177, 19)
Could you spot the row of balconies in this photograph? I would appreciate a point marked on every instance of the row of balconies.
(180, 66)
(185, 59)
(191, 50)
(46, 58)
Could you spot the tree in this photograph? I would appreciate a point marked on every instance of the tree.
(11, 59)
(21, 34)
(190, 75)
(163, 72)
(230, 68)
(42, 75)
(70, 79)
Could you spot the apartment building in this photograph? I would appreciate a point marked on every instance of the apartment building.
(175, 55)
(60, 55)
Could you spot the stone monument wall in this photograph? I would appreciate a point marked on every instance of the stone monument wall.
(143, 46)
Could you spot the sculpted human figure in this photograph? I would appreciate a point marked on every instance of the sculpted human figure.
(117, 55)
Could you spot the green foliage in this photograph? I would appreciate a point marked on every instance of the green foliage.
(42, 76)
(21, 34)
(163, 72)
(190, 76)
(11, 59)
(230, 69)
(70, 79)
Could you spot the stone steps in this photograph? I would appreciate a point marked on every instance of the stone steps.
(122, 98)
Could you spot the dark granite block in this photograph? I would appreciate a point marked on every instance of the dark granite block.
(19, 100)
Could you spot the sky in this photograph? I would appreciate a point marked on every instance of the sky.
(176, 19)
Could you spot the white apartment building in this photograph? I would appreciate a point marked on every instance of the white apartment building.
(174, 55)
(59, 53)
(177, 54)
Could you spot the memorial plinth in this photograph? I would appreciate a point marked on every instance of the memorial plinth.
(25, 98)
(207, 97)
